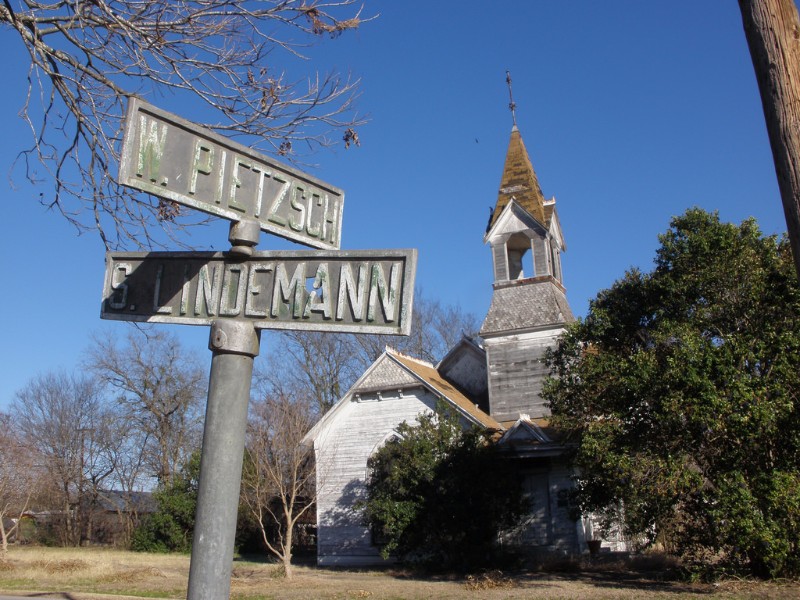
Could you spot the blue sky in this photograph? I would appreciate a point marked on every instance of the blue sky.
(631, 111)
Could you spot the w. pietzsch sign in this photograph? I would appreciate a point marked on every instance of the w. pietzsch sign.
(170, 157)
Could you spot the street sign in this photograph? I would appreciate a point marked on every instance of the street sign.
(172, 158)
(368, 291)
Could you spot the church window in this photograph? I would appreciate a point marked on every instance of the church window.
(517, 248)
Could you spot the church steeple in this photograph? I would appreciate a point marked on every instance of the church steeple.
(523, 221)
(519, 182)
(529, 308)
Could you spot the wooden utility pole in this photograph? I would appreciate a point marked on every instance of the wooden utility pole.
(772, 30)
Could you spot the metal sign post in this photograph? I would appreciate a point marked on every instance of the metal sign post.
(234, 345)
(240, 292)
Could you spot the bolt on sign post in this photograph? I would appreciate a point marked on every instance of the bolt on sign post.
(240, 292)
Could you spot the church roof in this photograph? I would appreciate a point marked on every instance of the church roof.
(526, 305)
(531, 437)
(519, 182)
(431, 377)
(394, 370)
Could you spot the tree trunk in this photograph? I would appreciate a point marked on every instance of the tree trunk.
(772, 30)
(287, 552)
(3, 541)
(68, 533)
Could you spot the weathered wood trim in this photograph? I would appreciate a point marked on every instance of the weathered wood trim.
(500, 262)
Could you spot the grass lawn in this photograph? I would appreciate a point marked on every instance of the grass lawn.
(94, 574)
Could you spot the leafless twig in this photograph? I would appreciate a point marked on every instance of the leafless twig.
(85, 56)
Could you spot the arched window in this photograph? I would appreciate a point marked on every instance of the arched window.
(517, 247)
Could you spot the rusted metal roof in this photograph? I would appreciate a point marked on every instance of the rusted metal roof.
(431, 377)
(527, 304)
(519, 182)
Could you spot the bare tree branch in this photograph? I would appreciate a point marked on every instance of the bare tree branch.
(160, 386)
(16, 482)
(85, 57)
(278, 477)
(63, 420)
(323, 366)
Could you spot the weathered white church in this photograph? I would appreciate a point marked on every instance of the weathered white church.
(493, 384)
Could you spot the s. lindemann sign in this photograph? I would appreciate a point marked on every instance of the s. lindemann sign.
(170, 157)
(368, 291)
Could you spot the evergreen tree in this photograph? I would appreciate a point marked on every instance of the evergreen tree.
(439, 494)
(170, 528)
(680, 389)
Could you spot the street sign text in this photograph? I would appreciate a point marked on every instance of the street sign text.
(172, 158)
(347, 291)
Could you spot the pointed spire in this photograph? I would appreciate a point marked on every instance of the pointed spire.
(519, 182)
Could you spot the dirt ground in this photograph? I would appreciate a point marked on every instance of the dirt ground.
(89, 574)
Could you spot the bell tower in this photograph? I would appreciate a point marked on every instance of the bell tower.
(529, 308)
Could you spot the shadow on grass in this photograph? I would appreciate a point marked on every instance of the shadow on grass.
(646, 573)
(61, 595)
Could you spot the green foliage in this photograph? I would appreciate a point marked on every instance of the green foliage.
(439, 495)
(170, 528)
(681, 391)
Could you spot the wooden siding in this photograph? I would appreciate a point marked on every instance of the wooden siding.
(468, 372)
(516, 373)
(342, 452)
(556, 261)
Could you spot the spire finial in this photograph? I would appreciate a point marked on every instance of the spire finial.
(511, 104)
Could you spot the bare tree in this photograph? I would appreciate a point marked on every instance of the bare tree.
(319, 365)
(16, 482)
(772, 29)
(325, 365)
(224, 55)
(99, 440)
(278, 477)
(63, 419)
(160, 384)
(130, 477)
(435, 329)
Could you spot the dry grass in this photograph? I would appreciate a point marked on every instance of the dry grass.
(61, 567)
(91, 574)
(488, 581)
(91, 570)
